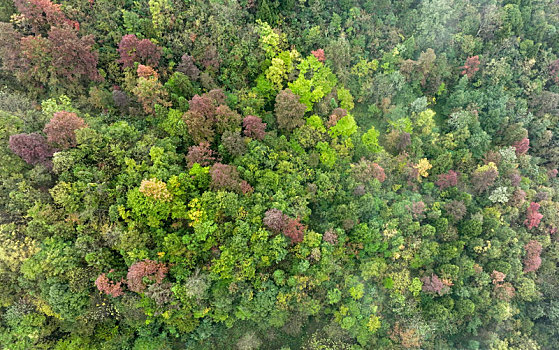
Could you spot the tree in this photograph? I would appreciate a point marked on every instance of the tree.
(254, 127)
(289, 111)
(61, 129)
(188, 67)
(149, 90)
(433, 284)
(471, 66)
(145, 272)
(32, 148)
(319, 54)
(484, 177)
(533, 216)
(447, 180)
(522, 146)
(532, 260)
(73, 58)
(225, 177)
(370, 140)
(201, 154)
(109, 287)
(294, 230)
(132, 49)
(275, 220)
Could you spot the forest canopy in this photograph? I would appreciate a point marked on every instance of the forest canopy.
(265, 174)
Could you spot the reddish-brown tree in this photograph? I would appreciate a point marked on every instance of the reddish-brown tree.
(254, 127)
(105, 285)
(533, 216)
(145, 271)
(32, 148)
(471, 66)
(449, 179)
(132, 49)
(201, 154)
(61, 129)
(532, 260)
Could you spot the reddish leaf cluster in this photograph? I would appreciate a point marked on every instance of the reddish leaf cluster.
(522, 146)
(456, 209)
(532, 260)
(73, 57)
(146, 72)
(337, 114)
(471, 66)
(132, 49)
(32, 148)
(42, 14)
(276, 221)
(234, 143)
(503, 290)
(533, 217)
(61, 129)
(142, 271)
(105, 285)
(208, 114)
(433, 284)
(330, 237)
(366, 170)
(449, 179)
(295, 230)
(417, 209)
(225, 177)
(201, 154)
(319, 54)
(289, 111)
(55, 50)
(254, 127)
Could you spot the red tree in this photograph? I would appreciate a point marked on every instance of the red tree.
(105, 285)
(32, 148)
(471, 66)
(225, 177)
(73, 57)
(319, 54)
(201, 154)
(533, 217)
(275, 220)
(254, 127)
(434, 284)
(61, 129)
(532, 260)
(522, 146)
(145, 271)
(449, 179)
(294, 230)
(132, 49)
(42, 14)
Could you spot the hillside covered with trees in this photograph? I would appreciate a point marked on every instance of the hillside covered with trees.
(266, 174)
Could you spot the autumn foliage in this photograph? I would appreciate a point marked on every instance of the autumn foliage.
(105, 285)
(61, 129)
(533, 216)
(132, 49)
(32, 148)
(145, 272)
(532, 260)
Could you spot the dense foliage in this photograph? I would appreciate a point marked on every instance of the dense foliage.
(240, 174)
